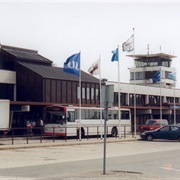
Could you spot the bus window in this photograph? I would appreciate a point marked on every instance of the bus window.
(92, 114)
(84, 114)
(103, 114)
(71, 116)
(115, 116)
(47, 118)
(95, 116)
(124, 114)
(88, 114)
(58, 118)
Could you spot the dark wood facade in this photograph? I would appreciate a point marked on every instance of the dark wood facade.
(35, 88)
(29, 85)
(38, 81)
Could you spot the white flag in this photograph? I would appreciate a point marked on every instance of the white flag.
(129, 44)
(94, 69)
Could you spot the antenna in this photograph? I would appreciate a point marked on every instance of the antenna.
(148, 49)
(160, 48)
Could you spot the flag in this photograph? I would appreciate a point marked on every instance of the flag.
(115, 56)
(157, 76)
(172, 76)
(94, 69)
(129, 44)
(72, 64)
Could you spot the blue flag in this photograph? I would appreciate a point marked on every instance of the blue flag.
(157, 77)
(172, 76)
(72, 64)
(115, 56)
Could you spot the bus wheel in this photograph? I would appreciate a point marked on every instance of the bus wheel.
(114, 132)
(82, 133)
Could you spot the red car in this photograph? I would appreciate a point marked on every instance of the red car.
(152, 124)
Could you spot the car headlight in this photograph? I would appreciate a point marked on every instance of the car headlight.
(142, 133)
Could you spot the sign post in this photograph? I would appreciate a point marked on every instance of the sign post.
(108, 98)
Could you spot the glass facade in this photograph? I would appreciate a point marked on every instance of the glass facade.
(153, 62)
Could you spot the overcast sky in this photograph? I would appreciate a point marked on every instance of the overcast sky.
(59, 29)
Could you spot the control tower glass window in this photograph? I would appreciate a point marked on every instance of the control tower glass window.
(152, 62)
(138, 75)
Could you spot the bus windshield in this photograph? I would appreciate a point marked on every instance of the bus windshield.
(55, 118)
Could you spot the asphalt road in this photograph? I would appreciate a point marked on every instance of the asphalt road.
(125, 160)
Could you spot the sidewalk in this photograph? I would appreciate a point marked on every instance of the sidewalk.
(22, 143)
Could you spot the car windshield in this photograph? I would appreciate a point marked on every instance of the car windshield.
(150, 122)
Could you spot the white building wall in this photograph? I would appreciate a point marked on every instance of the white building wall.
(145, 90)
(164, 82)
(7, 77)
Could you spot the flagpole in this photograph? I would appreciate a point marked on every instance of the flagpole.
(115, 57)
(119, 96)
(72, 65)
(134, 89)
(100, 93)
(94, 70)
(129, 46)
(174, 105)
(160, 95)
(80, 102)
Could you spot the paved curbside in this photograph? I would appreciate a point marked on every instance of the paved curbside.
(67, 143)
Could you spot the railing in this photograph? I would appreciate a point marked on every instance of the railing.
(37, 135)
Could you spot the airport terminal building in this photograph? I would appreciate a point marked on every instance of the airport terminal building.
(31, 82)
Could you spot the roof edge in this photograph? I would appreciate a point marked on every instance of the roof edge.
(164, 55)
(18, 48)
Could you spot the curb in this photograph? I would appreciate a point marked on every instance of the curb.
(54, 144)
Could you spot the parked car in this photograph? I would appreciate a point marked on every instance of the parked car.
(152, 124)
(177, 124)
(165, 132)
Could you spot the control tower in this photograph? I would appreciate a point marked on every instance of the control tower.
(147, 65)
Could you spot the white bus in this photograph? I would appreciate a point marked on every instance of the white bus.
(64, 121)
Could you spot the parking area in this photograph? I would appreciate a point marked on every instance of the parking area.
(130, 160)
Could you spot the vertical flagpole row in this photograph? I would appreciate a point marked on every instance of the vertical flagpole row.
(134, 89)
